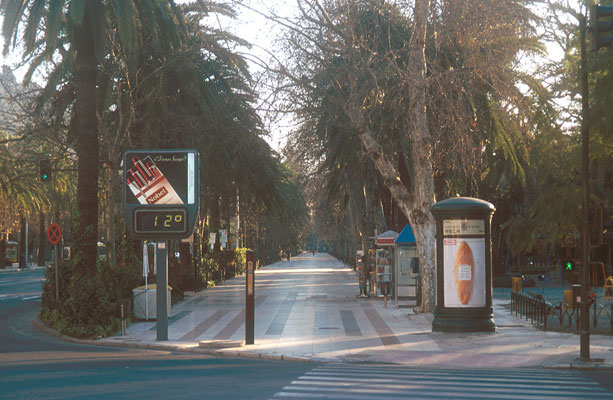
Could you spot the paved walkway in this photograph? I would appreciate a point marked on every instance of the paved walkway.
(306, 309)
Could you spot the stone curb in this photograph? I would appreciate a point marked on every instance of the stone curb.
(15, 269)
(162, 347)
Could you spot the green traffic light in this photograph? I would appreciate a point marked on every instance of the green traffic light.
(569, 266)
(45, 176)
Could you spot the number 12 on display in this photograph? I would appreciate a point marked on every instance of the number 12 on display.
(168, 219)
(163, 221)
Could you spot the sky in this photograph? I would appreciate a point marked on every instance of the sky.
(253, 27)
(249, 26)
(260, 32)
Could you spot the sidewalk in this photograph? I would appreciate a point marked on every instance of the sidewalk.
(307, 309)
(30, 267)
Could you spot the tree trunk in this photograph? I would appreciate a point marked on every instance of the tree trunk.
(84, 125)
(2, 250)
(111, 181)
(215, 222)
(415, 204)
(421, 150)
(21, 258)
(357, 208)
(373, 200)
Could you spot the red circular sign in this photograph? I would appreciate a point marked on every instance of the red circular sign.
(54, 233)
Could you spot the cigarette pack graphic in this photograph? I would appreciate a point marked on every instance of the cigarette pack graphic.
(148, 183)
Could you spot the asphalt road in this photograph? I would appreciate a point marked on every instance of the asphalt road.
(36, 366)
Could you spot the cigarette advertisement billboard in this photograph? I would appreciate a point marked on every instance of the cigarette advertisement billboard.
(160, 193)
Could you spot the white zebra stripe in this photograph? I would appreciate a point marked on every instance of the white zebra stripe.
(375, 382)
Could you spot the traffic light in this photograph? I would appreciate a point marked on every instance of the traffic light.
(45, 170)
(567, 259)
(599, 28)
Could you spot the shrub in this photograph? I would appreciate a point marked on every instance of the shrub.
(226, 262)
(87, 306)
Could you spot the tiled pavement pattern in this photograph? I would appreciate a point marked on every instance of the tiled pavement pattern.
(307, 309)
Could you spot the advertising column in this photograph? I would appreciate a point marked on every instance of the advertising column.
(463, 266)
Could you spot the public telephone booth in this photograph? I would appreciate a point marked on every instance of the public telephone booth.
(407, 267)
(384, 270)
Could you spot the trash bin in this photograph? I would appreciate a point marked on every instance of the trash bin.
(145, 301)
(576, 293)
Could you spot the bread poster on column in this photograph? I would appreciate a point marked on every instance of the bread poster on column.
(464, 264)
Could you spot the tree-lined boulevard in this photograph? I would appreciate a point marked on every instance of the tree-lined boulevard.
(387, 110)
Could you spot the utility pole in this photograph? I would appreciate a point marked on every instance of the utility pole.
(585, 152)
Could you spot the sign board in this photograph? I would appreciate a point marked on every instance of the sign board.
(464, 262)
(568, 240)
(54, 233)
(386, 241)
(66, 253)
(223, 236)
(160, 193)
(11, 251)
(463, 227)
(250, 277)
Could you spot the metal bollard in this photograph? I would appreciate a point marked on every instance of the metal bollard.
(123, 322)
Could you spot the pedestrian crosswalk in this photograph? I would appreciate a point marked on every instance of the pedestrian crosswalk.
(370, 382)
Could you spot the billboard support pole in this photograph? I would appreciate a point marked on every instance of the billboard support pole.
(161, 295)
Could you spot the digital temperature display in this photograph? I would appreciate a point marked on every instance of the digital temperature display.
(160, 194)
(161, 221)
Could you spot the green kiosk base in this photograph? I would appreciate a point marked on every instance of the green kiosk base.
(459, 321)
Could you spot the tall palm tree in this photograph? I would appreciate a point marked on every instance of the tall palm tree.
(73, 36)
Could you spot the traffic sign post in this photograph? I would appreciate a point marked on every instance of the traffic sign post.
(54, 234)
(160, 203)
